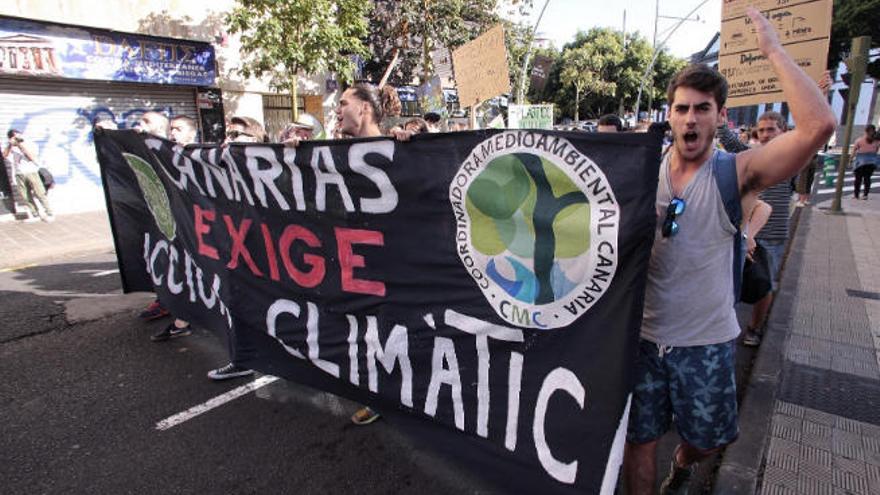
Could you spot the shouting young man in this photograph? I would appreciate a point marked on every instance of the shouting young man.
(685, 366)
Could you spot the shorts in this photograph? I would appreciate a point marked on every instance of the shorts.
(775, 252)
(693, 386)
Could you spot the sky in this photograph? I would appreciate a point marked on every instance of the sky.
(564, 18)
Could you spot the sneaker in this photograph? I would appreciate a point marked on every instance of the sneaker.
(154, 311)
(170, 332)
(48, 218)
(676, 482)
(31, 220)
(751, 338)
(364, 416)
(800, 204)
(229, 371)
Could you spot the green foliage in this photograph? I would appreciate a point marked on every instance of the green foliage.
(854, 18)
(624, 70)
(282, 39)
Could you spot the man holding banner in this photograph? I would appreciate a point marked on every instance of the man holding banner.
(685, 368)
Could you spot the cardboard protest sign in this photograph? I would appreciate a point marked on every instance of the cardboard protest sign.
(530, 116)
(485, 286)
(804, 28)
(481, 68)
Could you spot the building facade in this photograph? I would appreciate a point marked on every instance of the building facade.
(66, 63)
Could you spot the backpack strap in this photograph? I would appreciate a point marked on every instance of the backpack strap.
(724, 171)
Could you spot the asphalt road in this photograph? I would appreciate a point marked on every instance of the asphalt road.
(83, 390)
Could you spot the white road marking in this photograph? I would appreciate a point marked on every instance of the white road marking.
(218, 401)
(105, 272)
(831, 190)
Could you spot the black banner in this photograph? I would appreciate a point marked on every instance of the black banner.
(490, 283)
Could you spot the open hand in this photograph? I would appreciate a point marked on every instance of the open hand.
(768, 41)
(825, 83)
(291, 142)
(400, 134)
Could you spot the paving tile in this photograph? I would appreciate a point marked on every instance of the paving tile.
(787, 427)
(779, 481)
(847, 425)
(789, 409)
(820, 417)
(808, 485)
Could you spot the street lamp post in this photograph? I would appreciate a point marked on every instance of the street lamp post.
(521, 94)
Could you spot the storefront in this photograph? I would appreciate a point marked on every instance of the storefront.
(56, 80)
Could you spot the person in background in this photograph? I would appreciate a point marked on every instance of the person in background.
(295, 132)
(609, 123)
(27, 175)
(244, 130)
(744, 136)
(183, 131)
(239, 130)
(865, 152)
(416, 125)
(155, 123)
(433, 120)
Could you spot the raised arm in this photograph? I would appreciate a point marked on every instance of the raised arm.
(785, 155)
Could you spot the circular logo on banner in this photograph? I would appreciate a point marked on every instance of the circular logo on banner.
(537, 226)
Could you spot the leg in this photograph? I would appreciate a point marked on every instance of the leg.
(25, 191)
(869, 171)
(858, 183)
(649, 418)
(640, 467)
(40, 192)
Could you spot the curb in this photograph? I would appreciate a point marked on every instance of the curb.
(21, 262)
(742, 462)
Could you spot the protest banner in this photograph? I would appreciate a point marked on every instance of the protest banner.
(530, 116)
(431, 97)
(804, 29)
(540, 72)
(487, 286)
(480, 68)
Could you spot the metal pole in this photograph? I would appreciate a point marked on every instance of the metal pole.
(856, 64)
(656, 52)
(653, 49)
(525, 68)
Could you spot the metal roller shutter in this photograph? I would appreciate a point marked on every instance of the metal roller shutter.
(56, 115)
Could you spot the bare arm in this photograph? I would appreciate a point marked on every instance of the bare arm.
(758, 218)
(28, 151)
(7, 150)
(782, 157)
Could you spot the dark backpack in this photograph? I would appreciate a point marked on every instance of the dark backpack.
(46, 178)
(724, 171)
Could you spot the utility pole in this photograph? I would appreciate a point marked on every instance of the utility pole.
(653, 49)
(856, 64)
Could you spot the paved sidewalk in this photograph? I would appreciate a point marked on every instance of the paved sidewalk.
(69, 235)
(810, 420)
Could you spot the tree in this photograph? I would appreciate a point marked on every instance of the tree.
(626, 75)
(589, 67)
(403, 36)
(285, 39)
(516, 40)
(409, 32)
(853, 18)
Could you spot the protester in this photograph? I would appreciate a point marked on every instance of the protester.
(183, 131)
(245, 130)
(433, 120)
(154, 123)
(27, 175)
(865, 153)
(689, 318)
(744, 136)
(774, 236)
(609, 123)
(360, 112)
(296, 131)
(239, 130)
(105, 122)
(416, 125)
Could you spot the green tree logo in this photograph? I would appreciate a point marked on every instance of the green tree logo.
(526, 211)
(154, 194)
(536, 226)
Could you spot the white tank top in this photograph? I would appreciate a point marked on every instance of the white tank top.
(689, 294)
